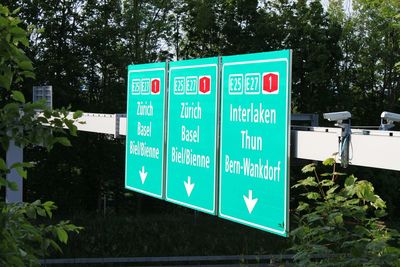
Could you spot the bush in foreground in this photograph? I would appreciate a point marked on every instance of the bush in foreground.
(340, 219)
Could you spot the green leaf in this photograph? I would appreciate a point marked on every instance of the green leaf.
(48, 207)
(31, 212)
(309, 168)
(21, 172)
(312, 217)
(339, 219)
(329, 162)
(379, 203)
(41, 212)
(350, 181)
(72, 128)
(365, 190)
(380, 213)
(6, 79)
(12, 108)
(12, 185)
(3, 182)
(16, 11)
(55, 245)
(77, 114)
(22, 164)
(23, 40)
(18, 32)
(313, 195)
(22, 253)
(332, 189)
(36, 202)
(18, 96)
(40, 104)
(62, 235)
(3, 165)
(49, 204)
(4, 10)
(327, 182)
(26, 65)
(302, 206)
(28, 74)
(309, 181)
(354, 201)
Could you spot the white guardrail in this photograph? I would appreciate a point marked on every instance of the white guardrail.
(114, 124)
(369, 148)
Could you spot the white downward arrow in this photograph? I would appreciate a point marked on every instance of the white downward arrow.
(189, 186)
(143, 175)
(250, 202)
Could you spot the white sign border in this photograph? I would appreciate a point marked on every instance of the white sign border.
(288, 87)
(162, 146)
(213, 211)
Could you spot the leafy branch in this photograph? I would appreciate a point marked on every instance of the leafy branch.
(341, 219)
(22, 239)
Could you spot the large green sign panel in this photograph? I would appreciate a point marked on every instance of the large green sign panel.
(255, 125)
(145, 129)
(192, 134)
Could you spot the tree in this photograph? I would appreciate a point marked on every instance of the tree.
(54, 48)
(22, 241)
(316, 53)
(370, 47)
(199, 26)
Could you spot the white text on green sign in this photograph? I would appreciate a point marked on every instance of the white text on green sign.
(145, 129)
(254, 140)
(191, 146)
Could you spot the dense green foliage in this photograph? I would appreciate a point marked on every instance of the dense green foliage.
(341, 218)
(343, 59)
(22, 239)
(348, 57)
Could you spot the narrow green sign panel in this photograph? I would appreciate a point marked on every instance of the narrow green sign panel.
(192, 131)
(145, 129)
(255, 110)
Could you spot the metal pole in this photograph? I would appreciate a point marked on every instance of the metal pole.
(14, 154)
(344, 144)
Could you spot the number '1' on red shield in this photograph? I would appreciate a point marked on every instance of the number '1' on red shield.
(205, 84)
(155, 86)
(270, 83)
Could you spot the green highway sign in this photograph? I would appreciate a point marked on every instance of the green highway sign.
(145, 129)
(192, 134)
(254, 148)
(251, 185)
